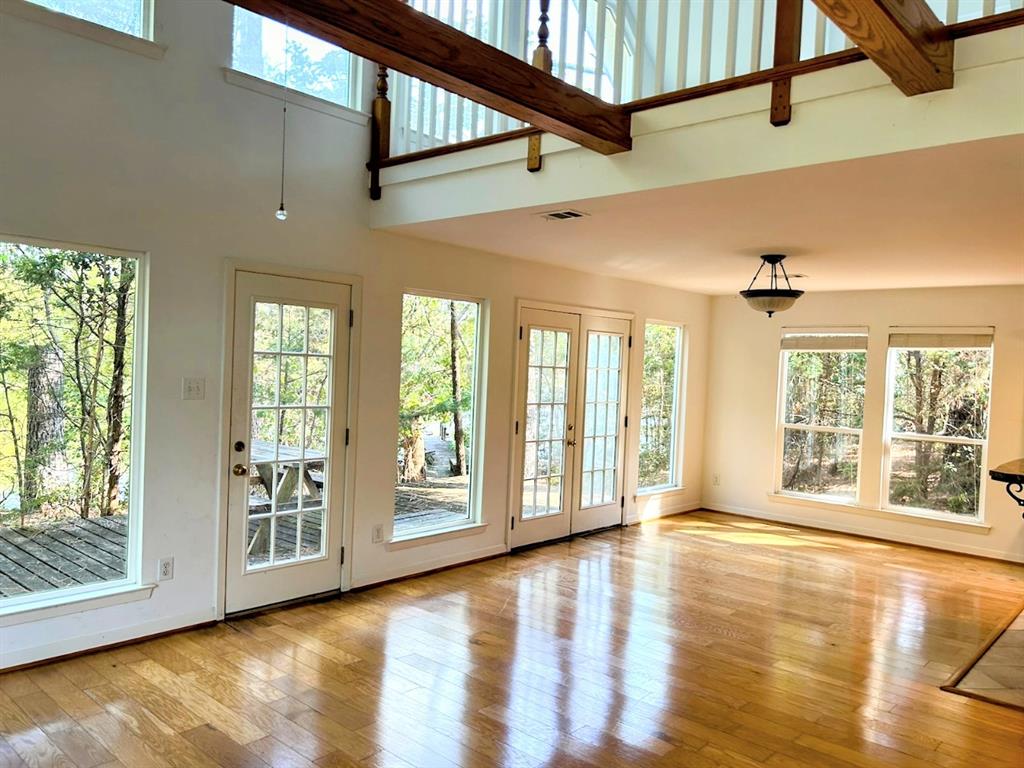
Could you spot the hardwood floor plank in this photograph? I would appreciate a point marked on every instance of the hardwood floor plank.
(702, 641)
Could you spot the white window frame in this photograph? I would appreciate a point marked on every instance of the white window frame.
(781, 425)
(147, 18)
(357, 85)
(678, 412)
(126, 589)
(890, 434)
(476, 451)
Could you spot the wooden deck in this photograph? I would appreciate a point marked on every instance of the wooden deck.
(58, 556)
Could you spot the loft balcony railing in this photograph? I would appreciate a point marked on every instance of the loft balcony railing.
(637, 53)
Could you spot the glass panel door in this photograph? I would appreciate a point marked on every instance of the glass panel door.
(547, 400)
(289, 456)
(569, 451)
(598, 498)
(544, 425)
(289, 391)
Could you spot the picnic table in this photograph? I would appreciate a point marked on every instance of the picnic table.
(293, 468)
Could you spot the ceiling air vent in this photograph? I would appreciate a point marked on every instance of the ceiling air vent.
(563, 215)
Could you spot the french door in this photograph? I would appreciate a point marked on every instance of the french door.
(289, 404)
(572, 372)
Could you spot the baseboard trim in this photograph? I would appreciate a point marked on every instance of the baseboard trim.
(865, 533)
(55, 652)
(669, 511)
(432, 566)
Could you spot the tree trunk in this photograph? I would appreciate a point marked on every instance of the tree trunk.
(459, 464)
(115, 397)
(414, 468)
(44, 426)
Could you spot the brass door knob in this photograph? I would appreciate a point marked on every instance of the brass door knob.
(239, 470)
(570, 442)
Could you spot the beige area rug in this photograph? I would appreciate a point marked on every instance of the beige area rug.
(996, 674)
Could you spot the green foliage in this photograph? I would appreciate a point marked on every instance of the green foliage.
(65, 379)
(658, 401)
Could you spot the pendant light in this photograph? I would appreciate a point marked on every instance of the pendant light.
(773, 298)
(282, 213)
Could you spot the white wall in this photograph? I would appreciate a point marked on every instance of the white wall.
(739, 444)
(106, 147)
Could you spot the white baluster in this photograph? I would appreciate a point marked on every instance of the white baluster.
(659, 55)
(731, 35)
(756, 31)
(707, 12)
(684, 43)
(639, 51)
(599, 45)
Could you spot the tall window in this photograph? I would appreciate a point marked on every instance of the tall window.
(67, 365)
(937, 421)
(133, 17)
(437, 411)
(659, 407)
(822, 413)
(271, 51)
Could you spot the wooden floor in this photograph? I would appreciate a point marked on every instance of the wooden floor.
(704, 640)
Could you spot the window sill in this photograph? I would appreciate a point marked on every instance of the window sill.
(267, 88)
(432, 537)
(666, 490)
(82, 28)
(49, 606)
(973, 526)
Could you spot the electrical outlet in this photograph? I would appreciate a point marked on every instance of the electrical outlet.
(165, 569)
(193, 388)
(378, 534)
(715, 480)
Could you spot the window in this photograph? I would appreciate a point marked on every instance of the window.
(67, 400)
(937, 421)
(659, 407)
(822, 413)
(437, 455)
(271, 51)
(133, 17)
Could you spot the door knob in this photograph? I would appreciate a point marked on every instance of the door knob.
(570, 442)
(239, 470)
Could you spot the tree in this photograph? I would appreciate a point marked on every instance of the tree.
(458, 465)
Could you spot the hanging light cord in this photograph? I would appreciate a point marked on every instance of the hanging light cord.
(282, 213)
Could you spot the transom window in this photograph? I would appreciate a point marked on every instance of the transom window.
(937, 421)
(271, 51)
(133, 17)
(822, 413)
(659, 407)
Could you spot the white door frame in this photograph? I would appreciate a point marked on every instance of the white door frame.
(224, 457)
(514, 483)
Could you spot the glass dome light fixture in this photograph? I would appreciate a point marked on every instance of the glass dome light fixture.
(773, 298)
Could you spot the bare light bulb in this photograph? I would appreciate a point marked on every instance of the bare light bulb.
(281, 214)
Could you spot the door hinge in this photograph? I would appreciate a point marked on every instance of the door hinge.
(351, 318)
(342, 555)
(622, 502)
(630, 342)
(346, 435)
(625, 422)
(513, 522)
(517, 426)
(520, 333)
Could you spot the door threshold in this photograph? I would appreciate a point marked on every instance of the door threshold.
(561, 539)
(320, 597)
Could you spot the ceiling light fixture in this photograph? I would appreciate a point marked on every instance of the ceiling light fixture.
(773, 298)
(282, 212)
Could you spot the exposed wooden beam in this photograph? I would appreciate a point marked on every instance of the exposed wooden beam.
(903, 37)
(788, 18)
(396, 36)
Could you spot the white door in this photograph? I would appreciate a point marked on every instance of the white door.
(289, 405)
(597, 500)
(570, 416)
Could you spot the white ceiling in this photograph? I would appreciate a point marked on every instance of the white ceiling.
(946, 216)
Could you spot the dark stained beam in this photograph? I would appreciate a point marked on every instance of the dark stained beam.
(394, 35)
(788, 18)
(903, 37)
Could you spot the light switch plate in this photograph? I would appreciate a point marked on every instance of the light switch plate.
(193, 388)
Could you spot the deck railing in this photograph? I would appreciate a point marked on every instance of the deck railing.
(618, 50)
